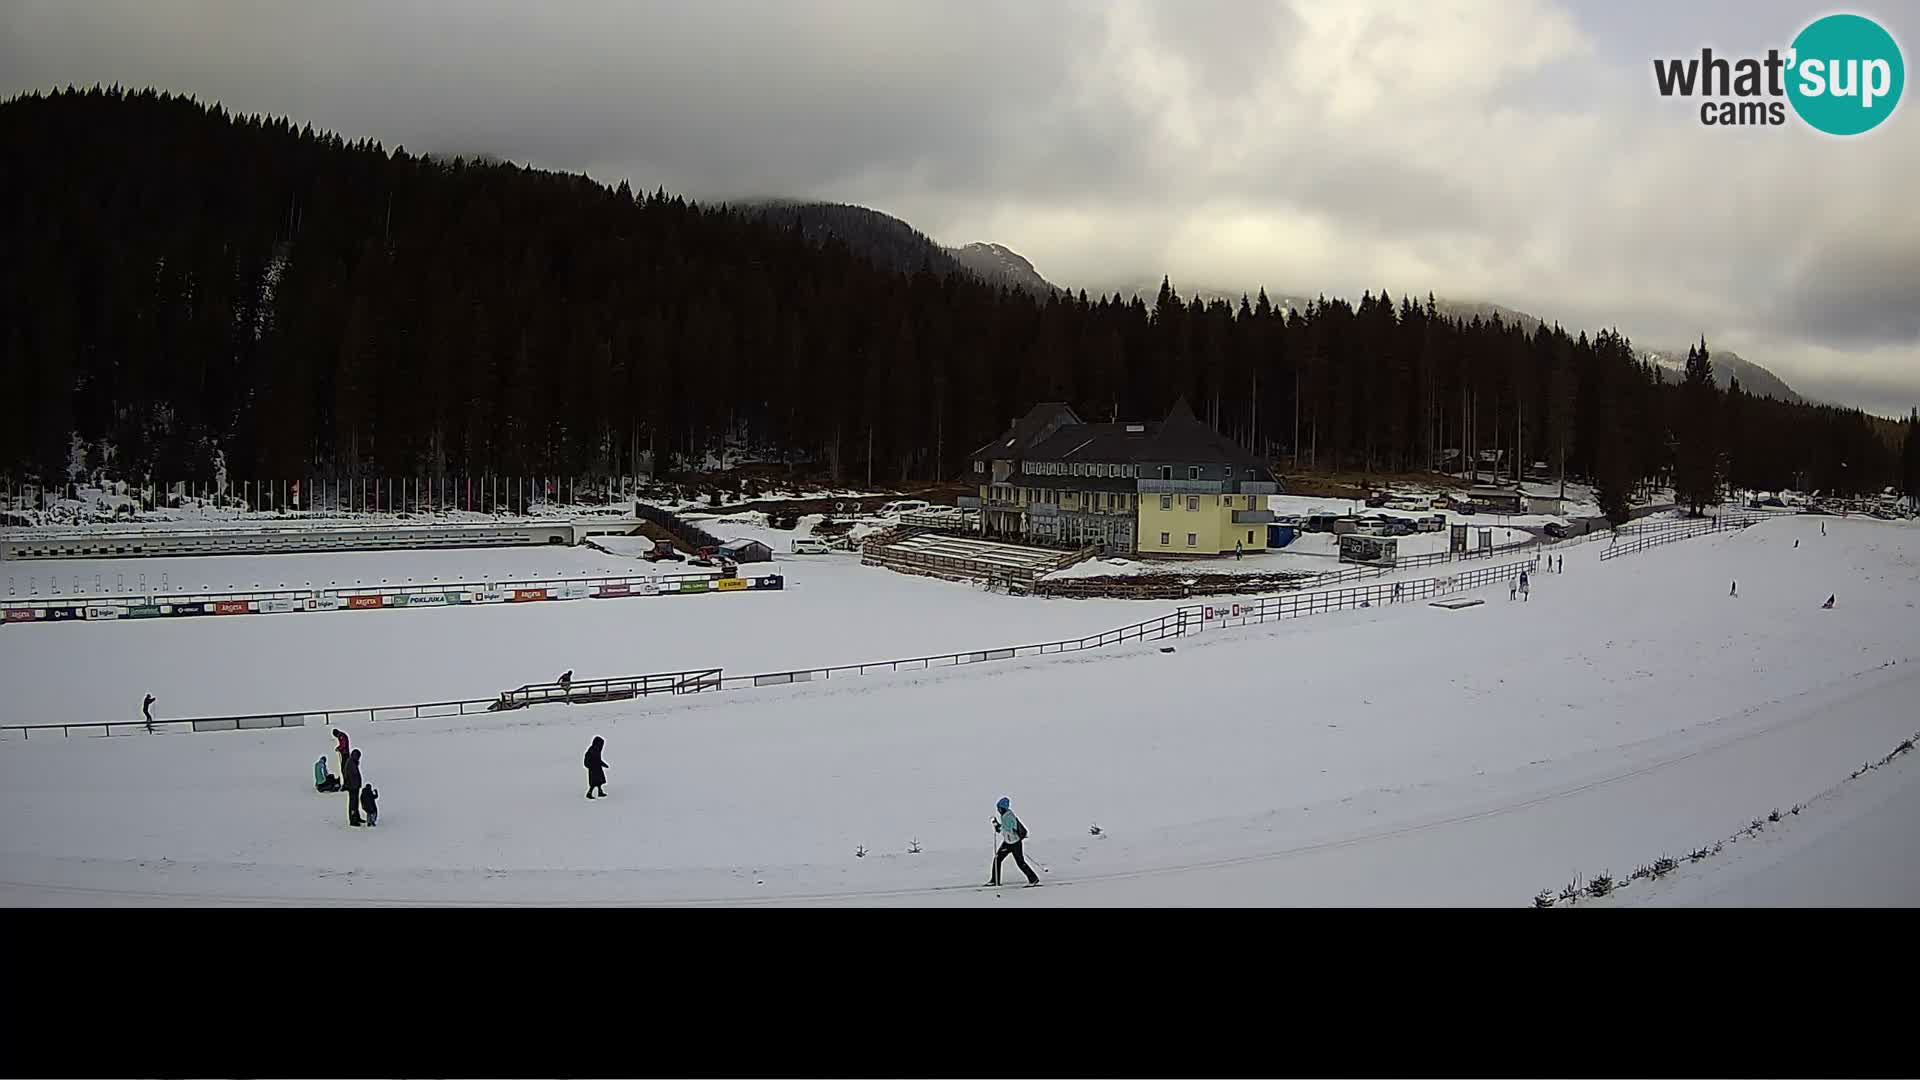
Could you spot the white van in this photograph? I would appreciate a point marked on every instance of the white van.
(904, 506)
(807, 545)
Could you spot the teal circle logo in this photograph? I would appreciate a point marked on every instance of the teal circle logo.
(1846, 74)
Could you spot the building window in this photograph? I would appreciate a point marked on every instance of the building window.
(1166, 472)
(979, 465)
(1193, 540)
(1193, 502)
(1166, 502)
(1193, 472)
(1226, 500)
(1166, 540)
(1249, 536)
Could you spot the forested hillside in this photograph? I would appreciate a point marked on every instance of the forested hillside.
(179, 281)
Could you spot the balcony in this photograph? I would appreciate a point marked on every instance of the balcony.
(1253, 517)
(1259, 487)
(1042, 510)
(1185, 487)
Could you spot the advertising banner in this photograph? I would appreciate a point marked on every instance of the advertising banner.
(487, 596)
(426, 599)
(614, 590)
(279, 606)
(521, 595)
(64, 613)
(324, 603)
(648, 588)
(149, 611)
(730, 584)
(366, 601)
(693, 586)
(571, 592)
(22, 614)
(105, 612)
(232, 607)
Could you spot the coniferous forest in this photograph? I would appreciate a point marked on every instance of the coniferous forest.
(181, 283)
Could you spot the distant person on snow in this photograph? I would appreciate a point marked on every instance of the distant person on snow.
(1513, 589)
(1796, 544)
(1735, 590)
(1013, 835)
(1828, 606)
(596, 768)
(350, 773)
(340, 748)
(324, 781)
(367, 802)
(1523, 585)
(566, 681)
(146, 710)
(1823, 528)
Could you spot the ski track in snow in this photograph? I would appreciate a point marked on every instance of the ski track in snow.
(1629, 708)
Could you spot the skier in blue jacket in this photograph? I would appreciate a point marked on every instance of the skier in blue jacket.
(1012, 835)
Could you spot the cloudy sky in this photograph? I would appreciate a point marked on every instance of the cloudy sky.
(1507, 150)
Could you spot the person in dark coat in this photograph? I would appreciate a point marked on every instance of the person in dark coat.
(350, 775)
(596, 769)
(369, 801)
(146, 710)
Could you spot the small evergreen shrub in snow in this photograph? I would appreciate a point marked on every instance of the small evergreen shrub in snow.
(1544, 898)
(860, 852)
(1571, 890)
(1663, 866)
(1600, 886)
(913, 846)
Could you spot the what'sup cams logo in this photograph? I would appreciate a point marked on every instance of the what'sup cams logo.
(1842, 75)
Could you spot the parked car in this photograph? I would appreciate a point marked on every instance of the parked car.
(663, 550)
(904, 506)
(807, 545)
(1556, 530)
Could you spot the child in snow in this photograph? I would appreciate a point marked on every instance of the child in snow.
(368, 795)
(323, 780)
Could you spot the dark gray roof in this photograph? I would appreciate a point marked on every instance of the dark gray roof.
(1179, 438)
(1028, 429)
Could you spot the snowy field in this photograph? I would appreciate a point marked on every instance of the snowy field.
(1629, 708)
(832, 611)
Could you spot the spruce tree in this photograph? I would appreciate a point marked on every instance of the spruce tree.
(1696, 435)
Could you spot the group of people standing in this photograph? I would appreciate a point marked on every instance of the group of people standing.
(361, 796)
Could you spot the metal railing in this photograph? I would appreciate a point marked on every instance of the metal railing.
(166, 594)
(621, 688)
(1670, 532)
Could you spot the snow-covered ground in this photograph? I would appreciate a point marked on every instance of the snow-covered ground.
(1397, 755)
(831, 611)
(1855, 849)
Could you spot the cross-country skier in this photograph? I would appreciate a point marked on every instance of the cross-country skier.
(1013, 834)
(1735, 590)
(146, 710)
(1828, 606)
(350, 774)
(596, 769)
